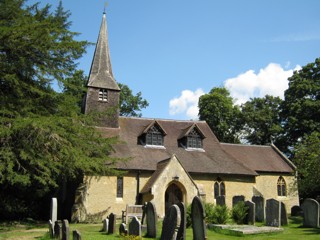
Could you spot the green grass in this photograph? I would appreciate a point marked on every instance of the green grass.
(293, 231)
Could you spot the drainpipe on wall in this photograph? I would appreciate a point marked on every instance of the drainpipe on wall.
(138, 188)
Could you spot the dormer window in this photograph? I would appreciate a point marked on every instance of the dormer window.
(192, 139)
(103, 95)
(153, 135)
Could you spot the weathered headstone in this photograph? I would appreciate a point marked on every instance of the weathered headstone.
(198, 219)
(135, 227)
(311, 210)
(237, 199)
(54, 210)
(105, 225)
(296, 211)
(112, 223)
(58, 229)
(151, 220)
(76, 235)
(259, 205)
(65, 230)
(171, 223)
(51, 229)
(123, 229)
(183, 224)
(273, 213)
(221, 200)
(284, 217)
(250, 218)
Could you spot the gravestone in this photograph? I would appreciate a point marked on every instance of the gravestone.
(58, 229)
(273, 213)
(65, 230)
(144, 211)
(123, 229)
(105, 225)
(237, 199)
(284, 217)
(171, 223)
(151, 220)
(76, 235)
(54, 210)
(198, 219)
(51, 229)
(135, 227)
(250, 218)
(112, 223)
(311, 210)
(259, 208)
(221, 200)
(183, 224)
(296, 211)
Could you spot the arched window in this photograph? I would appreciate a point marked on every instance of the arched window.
(219, 188)
(119, 187)
(281, 186)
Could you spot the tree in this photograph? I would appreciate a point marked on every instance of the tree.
(307, 160)
(130, 104)
(301, 106)
(261, 120)
(217, 109)
(44, 140)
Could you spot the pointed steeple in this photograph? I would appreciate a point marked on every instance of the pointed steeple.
(101, 75)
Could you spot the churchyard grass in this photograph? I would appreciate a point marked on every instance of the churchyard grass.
(293, 231)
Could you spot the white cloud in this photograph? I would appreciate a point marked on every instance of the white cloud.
(186, 103)
(271, 80)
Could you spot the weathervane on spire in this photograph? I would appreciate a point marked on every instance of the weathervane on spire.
(105, 5)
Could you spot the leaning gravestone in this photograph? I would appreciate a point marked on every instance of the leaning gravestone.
(237, 199)
(51, 229)
(250, 218)
(273, 213)
(135, 227)
(105, 225)
(221, 200)
(54, 210)
(151, 213)
(123, 229)
(58, 229)
(198, 219)
(76, 235)
(259, 205)
(311, 210)
(171, 223)
(112, 223)
(284, 217)
(65, 230)
(183, 224)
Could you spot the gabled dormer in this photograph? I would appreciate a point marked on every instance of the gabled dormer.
(192, 138)
(152, 136)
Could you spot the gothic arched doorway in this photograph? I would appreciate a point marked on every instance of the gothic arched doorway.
(173, 195)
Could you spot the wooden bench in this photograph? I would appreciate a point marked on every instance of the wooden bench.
(132, 211)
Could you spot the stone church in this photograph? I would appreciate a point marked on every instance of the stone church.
(172, 160)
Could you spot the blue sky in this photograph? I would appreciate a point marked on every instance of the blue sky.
(175, 50)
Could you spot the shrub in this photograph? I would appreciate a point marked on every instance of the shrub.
(220, 215)
(239, 212)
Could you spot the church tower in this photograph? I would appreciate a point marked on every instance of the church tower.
(103, 92)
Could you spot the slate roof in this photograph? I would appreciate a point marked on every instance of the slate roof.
(260, 158)
(213, 159)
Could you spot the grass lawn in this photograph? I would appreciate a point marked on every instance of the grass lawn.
(91, 232)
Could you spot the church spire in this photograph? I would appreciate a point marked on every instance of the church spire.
(101, 75)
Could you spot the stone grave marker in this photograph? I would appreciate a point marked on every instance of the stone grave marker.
(236, 199)
(123, 229)
(171, 223)
(51, 229)
(54, 210)
(311, 210)
(221, 200)
(284, 217)
(112, 223)
(183, 224)
(135, 227)
(273, 213)
(105, 225)
(151, 220)
(76, 235)
(65, 230)
(250, 218)
(259, 205)
(198, 219)
(58, 229)
(296, 211)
